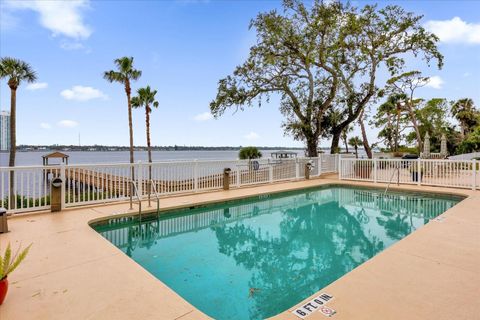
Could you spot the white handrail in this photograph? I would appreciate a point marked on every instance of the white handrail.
(152, 185)
(139, 201)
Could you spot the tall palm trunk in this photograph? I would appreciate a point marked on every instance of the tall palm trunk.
(128, 91)
(149, 147)
(13, 144)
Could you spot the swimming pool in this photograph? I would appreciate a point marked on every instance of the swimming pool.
(256, 257)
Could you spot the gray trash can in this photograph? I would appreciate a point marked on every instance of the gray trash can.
(3, 220)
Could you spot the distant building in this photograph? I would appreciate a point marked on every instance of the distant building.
(4, 130)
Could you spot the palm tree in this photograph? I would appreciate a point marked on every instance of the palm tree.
(467, 115)
(146, 98)
(16, 71)
(124, 74)
(249, 153)
(355, 142)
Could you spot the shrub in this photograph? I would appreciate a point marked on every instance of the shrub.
(249, 153)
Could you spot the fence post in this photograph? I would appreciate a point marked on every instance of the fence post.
(140, 179)
(297, 169)
(474, 174)
(239, 182)
(319, 160)
(419, 171)
(64, 182)
(195, 175)
(270, 173)
(340, 176)
(374, 170)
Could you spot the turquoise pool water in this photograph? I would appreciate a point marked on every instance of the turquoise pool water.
(254, 258)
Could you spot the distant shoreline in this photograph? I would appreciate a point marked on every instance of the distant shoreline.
(32, 148)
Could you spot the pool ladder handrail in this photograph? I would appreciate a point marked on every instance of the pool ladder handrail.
(139, 201)
(157, 196)
(391, 178)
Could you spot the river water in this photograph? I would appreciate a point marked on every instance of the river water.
(30, 158)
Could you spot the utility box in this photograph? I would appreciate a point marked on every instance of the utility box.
(226, 178)
(3, 220)
(56, 194)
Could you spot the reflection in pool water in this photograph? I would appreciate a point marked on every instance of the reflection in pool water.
(254, 258)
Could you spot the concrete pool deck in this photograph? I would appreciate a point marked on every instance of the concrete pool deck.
(72, 272)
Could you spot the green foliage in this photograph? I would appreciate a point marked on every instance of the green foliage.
(432, 119)
(9, 262)
(16, 71)
(145, 98)
(392, 120)
(318, 70)
(355, 141)
(409, 150)
(249, 153)
(124, 73)
(24, 202)
(471, 143)
(467, 114)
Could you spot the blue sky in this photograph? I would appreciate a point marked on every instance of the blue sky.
(183, 49)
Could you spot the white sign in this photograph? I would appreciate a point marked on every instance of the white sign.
(316, 304)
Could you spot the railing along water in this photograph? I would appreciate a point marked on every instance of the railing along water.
(101, 183)
(432, 172)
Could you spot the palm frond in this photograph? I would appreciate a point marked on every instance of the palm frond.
(18, 259)
(114, 76)
(136, 102)
(6, 261)
(124, 71)
(9, 264)
(16, 70)
(145, 98)
(135, 74)
(1, 267)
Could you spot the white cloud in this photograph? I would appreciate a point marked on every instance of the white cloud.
(45, 125)
(61, 17)
(435, 82)
(467, 74)
(37, 86)
(68, 45)
(455, 30)
(81, 93)
(205, 116)
(67, 124)
(251, 136)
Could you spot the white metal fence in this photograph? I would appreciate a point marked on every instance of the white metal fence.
(88, 184)
(433, 172)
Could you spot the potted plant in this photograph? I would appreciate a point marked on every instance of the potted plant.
(416, 174)
(8, 263)
(363, 168)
